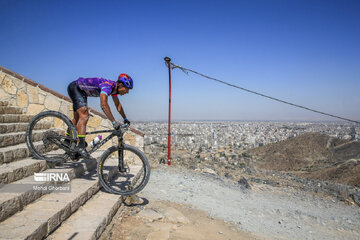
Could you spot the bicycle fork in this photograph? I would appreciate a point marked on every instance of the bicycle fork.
(121, 164)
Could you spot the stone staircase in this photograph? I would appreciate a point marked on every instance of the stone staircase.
(27, 213)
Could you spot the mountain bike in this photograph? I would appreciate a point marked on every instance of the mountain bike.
(122, 169)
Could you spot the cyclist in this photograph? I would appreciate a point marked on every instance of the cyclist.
(82, 88)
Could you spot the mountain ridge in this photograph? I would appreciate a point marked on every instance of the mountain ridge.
(312, 155)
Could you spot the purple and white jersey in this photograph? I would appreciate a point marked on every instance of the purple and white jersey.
(93, 87)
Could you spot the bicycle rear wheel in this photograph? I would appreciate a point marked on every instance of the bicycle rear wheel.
(46, 136)
(126, 183)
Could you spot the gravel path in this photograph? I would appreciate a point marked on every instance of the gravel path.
(271, 212)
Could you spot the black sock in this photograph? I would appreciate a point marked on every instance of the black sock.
(82, 143)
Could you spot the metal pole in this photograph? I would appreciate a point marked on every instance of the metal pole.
(167, 59)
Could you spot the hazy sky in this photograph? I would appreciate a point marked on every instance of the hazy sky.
(305, 52)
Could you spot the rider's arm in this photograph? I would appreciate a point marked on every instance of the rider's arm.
(105, 107)
(119, 107)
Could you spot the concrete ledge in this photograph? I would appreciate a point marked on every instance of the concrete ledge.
(34, 84)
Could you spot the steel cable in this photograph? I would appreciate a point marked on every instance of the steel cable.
(260, 94)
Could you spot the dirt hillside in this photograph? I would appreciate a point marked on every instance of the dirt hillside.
(312, 155)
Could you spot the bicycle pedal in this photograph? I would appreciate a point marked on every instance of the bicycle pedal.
(75, 157)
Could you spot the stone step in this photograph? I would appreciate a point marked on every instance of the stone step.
(10, 139)
(16, 195)
(15, 118)
(12, 127)
(10, 110)
(90, 220)
(40, 218)
(17, 170)
(17, 152)
(21, 127)
(4, 103)
(87, 223)
(14, 171)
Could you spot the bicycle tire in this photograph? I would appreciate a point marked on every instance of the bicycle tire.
(31, 129)
(145, 170)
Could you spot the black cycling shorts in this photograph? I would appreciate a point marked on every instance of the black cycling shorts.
(77, 96)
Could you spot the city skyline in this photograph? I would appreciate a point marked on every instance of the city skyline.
(208, 137)
(303, 52)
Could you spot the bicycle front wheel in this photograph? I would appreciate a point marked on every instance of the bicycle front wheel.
(127, 179)
(47, 138)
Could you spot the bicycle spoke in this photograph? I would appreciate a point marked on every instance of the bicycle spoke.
(46, 136)
(132, 179)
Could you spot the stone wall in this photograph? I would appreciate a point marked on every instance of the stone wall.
(34, 98)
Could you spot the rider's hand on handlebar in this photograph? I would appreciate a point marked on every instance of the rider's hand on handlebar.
(126, 121)
(116, 125)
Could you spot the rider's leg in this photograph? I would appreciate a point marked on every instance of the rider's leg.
(83, 116)
(79, 99)
(80, 119)
(81, 129)
(74, 121)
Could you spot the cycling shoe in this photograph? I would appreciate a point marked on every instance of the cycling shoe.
(84, 153)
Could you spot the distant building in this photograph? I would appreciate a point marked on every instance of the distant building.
(352, 133)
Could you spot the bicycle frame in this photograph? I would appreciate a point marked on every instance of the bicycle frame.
(114, 133)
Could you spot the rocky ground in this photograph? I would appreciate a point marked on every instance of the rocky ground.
(243, 171)
(263, 210)
(167, 220)
(311, 162)
(280, 191)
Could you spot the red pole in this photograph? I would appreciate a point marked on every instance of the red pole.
(167, 59)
